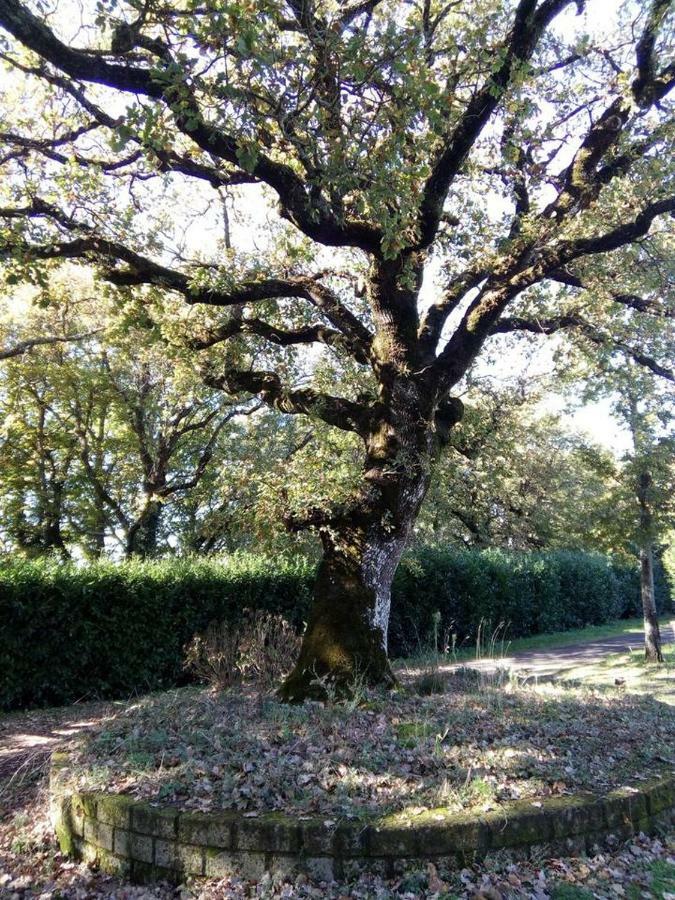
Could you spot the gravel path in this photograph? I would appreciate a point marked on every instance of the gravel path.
(557, 660)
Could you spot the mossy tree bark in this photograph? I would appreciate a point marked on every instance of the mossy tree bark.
(346, 638)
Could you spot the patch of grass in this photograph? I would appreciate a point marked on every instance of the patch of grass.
(662, 878)
(411, 733)
(631, 673)
(431, 682)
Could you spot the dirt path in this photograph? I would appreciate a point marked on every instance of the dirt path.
(27, 740)
(556, 660)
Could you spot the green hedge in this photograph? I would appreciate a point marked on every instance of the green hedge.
(111, 630)
(525, 593)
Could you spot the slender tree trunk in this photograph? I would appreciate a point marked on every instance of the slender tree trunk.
(99, 530)
(52, 536)
(653, 651)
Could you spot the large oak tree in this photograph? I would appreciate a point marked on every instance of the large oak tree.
(489, 148)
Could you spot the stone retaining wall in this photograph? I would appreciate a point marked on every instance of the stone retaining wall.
(144, 841)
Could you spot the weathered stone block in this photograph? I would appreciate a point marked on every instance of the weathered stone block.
(98, 833)
(105, 836)
(140, 847)
(114, 809)
(570, 816)
(190, 859)
(206, 829)
(317, 839)
(268, 834)
(623, 809)
(352, 839)
(157, 821)
(283, 866)
(660, 795)
(65, 837)
(517, 825)
(121, 842)
(113, 865)
(88, 803)
(89, 853)
(319, 868)
(219, 864)
(442, 834)
(166, 854)
(77, 815)
(144, 873)
(392, 840)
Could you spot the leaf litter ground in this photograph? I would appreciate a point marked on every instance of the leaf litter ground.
(32, 867)
(476, 745)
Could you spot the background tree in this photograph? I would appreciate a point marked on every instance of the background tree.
(642, 499)
(469, 137)
(101, 436)
(515, 475)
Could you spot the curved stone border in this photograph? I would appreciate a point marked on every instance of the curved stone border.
(148, 842)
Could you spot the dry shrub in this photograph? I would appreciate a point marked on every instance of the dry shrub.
(213, 656)
(261, 648)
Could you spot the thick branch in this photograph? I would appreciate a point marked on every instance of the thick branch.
(522, 270)
(142, 270)
(528, 26)
(650, 85)
(164, 160)
(617, 237)
(283, 337)
(337, 411)
(24, 346)
(632, 301)
(593, 334)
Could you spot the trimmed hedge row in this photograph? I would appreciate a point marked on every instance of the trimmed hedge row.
(525, 593)
(110, 630)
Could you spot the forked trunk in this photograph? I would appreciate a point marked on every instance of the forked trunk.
(653, 651)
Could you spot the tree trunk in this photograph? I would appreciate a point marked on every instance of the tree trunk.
(52, 536)
(653, 651)
(346, 638)
(652, 633)
(99, 530)
(142, 537)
